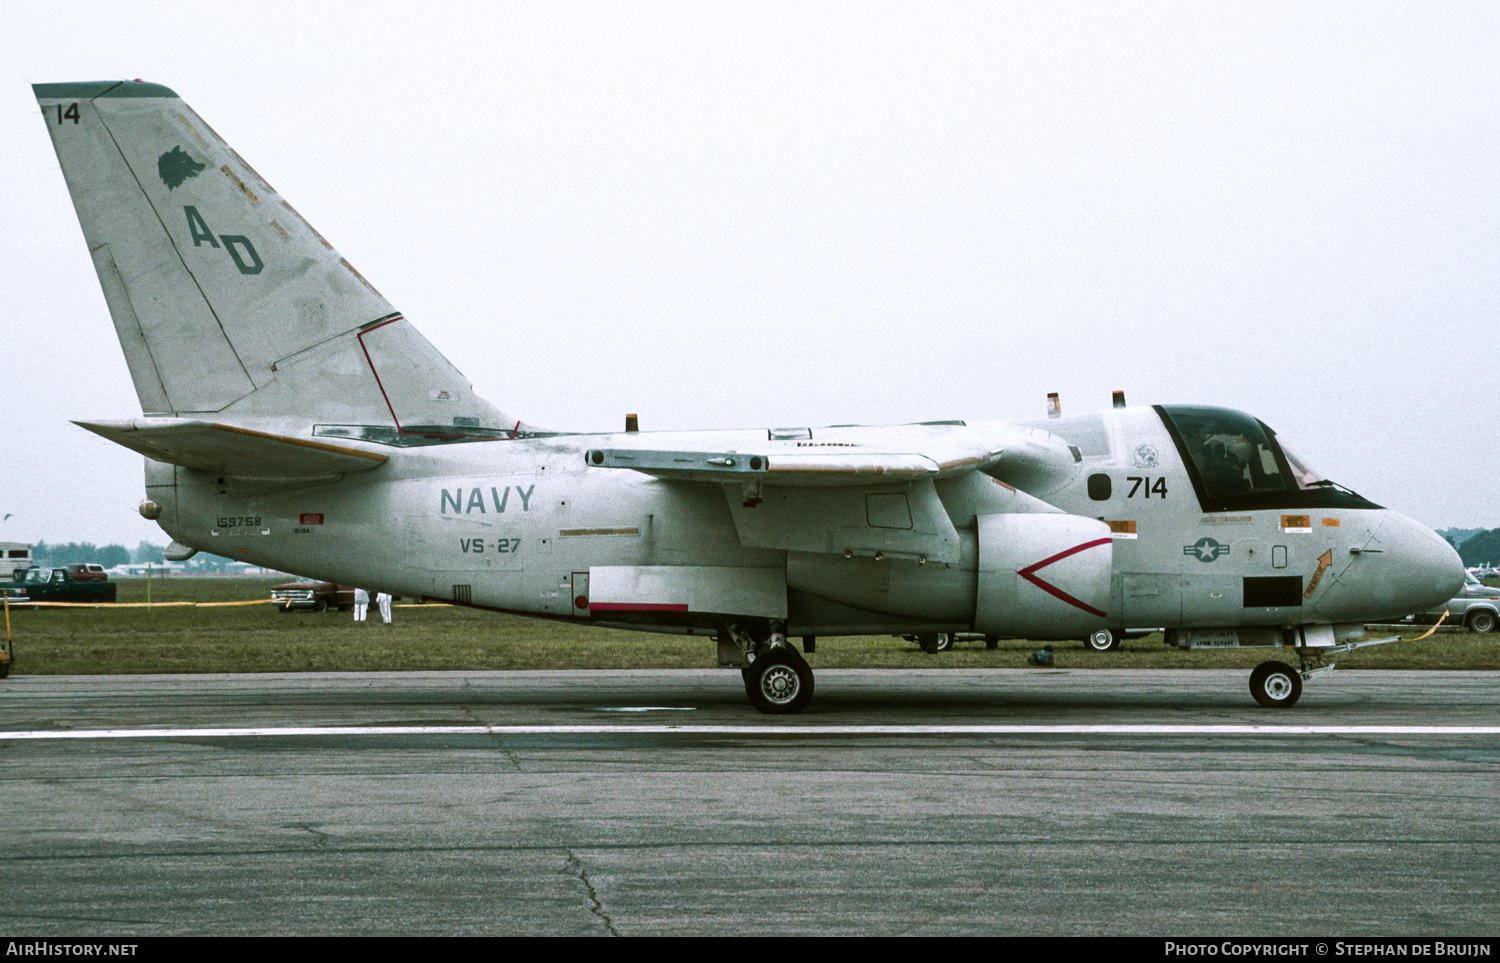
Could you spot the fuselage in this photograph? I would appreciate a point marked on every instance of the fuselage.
(518, 525)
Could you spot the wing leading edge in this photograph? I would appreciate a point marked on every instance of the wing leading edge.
(851, 456)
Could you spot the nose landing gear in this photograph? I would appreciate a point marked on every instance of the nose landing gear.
(1276, 685)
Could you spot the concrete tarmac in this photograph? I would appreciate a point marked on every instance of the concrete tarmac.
(660, 802)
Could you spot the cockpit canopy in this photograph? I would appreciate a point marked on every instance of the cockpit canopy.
(1237, 464)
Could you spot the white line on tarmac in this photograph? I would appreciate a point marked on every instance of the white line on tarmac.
(762, 730)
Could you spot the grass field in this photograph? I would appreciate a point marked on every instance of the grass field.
(257, 638)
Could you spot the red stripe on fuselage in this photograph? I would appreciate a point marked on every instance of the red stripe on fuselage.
(634, 607)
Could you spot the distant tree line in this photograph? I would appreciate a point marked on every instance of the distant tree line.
(207, 562)
(88, 553)
(65, 553)
(1482, 548)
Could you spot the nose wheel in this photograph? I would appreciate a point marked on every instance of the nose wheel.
(1276, 685)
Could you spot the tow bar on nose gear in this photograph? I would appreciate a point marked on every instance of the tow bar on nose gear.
(1277, 685)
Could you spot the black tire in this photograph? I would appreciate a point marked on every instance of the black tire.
(320, 607)
(1482, 622)
(936, 642)
(748, 674)
(1102, 641)
(779, 682)
(1276, 685)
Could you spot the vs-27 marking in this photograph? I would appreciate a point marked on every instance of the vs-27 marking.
(478, 546)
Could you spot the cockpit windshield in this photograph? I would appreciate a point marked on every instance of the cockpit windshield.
(1302, 474)
(1231, 451)
(1236, 463)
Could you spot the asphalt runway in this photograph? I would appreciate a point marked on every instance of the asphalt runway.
(658, 802)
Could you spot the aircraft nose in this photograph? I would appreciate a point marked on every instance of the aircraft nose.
(1400, 568)
(1427, 570)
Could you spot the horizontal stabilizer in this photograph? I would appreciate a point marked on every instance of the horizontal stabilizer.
(231, 450)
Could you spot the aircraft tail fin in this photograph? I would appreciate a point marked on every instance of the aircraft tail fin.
(225, 300)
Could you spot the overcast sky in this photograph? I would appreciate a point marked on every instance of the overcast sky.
(761, 214)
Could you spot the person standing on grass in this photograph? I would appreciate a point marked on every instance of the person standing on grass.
(383, 599)
(361, 604)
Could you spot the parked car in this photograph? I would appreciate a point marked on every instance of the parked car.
(86, 573)
(1476, 606)
(313, 596)
(58, 585)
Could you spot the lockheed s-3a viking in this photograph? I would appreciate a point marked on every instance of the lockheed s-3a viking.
(294, 419)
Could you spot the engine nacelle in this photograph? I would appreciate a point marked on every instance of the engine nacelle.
(1042, 576)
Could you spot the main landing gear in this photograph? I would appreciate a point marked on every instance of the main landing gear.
(778, 679)
(779, 682)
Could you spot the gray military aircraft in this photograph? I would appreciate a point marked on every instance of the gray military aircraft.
(292, 418)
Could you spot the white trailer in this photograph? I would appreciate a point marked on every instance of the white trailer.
(13, 556)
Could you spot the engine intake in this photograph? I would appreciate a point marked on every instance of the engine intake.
(1042, 576)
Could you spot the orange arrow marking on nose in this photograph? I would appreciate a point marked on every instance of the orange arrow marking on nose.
(1324, 560)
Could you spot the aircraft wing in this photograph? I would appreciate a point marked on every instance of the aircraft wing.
(854, 491)
(232, 450)
(851, 456)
